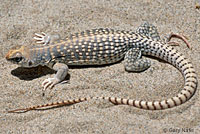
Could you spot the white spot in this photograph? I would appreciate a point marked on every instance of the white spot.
(101, 44)
(107, 43)
(104, 39)
(106, 47)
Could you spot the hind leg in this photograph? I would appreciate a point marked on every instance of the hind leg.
(148, 30)
(151, 31)
(134, 62)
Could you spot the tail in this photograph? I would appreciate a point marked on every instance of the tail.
(161, 51)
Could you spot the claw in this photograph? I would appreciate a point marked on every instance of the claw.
(172, 43)
(49, 83)
(65, 81)
(42, 38)
(39, 42)
(182, 37)
(46, 83)
(40, 35)
(44, 33)
(37, 38)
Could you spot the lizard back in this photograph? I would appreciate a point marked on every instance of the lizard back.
(92, 47)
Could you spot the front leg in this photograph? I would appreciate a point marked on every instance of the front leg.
(62, 70)
(45, 39)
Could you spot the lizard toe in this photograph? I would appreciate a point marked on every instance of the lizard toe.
(50, 82)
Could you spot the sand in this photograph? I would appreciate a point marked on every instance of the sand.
(19, 20)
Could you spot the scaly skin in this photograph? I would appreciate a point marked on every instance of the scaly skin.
(105, 46)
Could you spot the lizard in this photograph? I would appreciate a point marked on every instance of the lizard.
(102, 47)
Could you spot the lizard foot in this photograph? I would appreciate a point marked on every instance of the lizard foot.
(182, 37)
(46, 39)
(42, 38)
(50, 82)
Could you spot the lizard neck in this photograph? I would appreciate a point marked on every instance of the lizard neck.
(40, 55)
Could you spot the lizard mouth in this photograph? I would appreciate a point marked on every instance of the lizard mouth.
(15, 60)
(7, 56)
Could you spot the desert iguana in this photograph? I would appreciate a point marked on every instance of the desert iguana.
(101, 47)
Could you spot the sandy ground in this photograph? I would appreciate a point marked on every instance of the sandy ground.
(19, 20)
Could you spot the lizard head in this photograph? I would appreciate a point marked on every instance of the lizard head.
(17, 55)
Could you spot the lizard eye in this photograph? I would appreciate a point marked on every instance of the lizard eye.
(17, 59)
